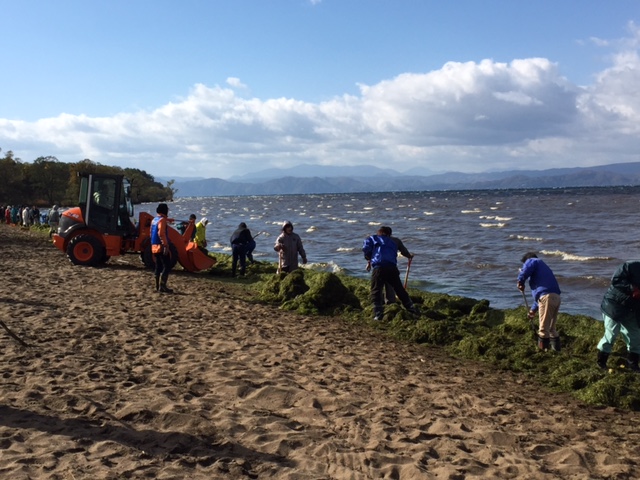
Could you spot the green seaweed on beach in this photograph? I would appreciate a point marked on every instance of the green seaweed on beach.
(309, 292)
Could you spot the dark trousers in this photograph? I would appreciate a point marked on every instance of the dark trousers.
(387, 274)
(238, 253)
(163, 265)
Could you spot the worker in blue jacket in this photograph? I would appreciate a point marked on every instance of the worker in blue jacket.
(381, 253)
(546, 298)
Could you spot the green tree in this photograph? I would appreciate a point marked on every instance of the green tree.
(12, 189)
(49, 179)
(144, 187)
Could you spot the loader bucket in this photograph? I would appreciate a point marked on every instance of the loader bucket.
(190, 256)
(199, 259)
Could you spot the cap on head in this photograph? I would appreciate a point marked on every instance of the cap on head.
(286, 224)
(163, 209)
(204, 221)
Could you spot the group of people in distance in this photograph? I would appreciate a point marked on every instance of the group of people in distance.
(26, 216)
(22, 215)
(620, 308)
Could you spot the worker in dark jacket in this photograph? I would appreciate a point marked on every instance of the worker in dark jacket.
(621, 313)
(241, 244)
(389, 292)
(546, 298)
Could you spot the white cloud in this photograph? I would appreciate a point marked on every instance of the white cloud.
(464, 116)
(235, 83)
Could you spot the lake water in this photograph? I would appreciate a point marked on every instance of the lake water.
(465, 243)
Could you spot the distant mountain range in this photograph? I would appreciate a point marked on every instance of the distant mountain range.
(318, 179)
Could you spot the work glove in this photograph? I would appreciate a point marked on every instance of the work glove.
(520, 286)
(304, 261)
(165, 250)
(532, 314)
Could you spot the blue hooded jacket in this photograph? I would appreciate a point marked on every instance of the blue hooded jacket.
(381, 250)
(542, 281)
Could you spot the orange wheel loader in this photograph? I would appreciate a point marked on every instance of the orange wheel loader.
(101, 227)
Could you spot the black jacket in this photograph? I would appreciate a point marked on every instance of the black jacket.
(618, 302)
(242, 236)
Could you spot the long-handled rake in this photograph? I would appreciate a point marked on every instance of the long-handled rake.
(534, 327)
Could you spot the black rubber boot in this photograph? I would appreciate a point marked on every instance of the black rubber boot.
(555, 344)
(632, 361)
(163, 286)
(602, 359)
(157, 283)
(544, 343)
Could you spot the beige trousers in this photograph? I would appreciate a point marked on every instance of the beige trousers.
(548, 307)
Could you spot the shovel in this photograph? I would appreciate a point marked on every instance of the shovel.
(534, 327)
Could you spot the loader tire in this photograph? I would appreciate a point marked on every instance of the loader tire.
(147, 257)
(86, 250)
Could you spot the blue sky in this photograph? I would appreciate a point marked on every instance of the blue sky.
(220, 88)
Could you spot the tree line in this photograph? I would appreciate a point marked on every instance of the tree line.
(47, 181)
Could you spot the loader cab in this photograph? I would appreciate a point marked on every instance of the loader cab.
(105, 201)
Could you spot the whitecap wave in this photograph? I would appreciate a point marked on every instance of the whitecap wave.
(524, 237)
(475, 210)
(493, 225)
(570, 257)
(323, 267)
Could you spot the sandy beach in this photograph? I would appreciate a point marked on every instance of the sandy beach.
(121, 382)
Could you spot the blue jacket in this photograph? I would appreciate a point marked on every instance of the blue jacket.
(542, 281)
(159, 234)
(381, 250)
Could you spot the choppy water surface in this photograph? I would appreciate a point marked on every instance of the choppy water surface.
(466, 243)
